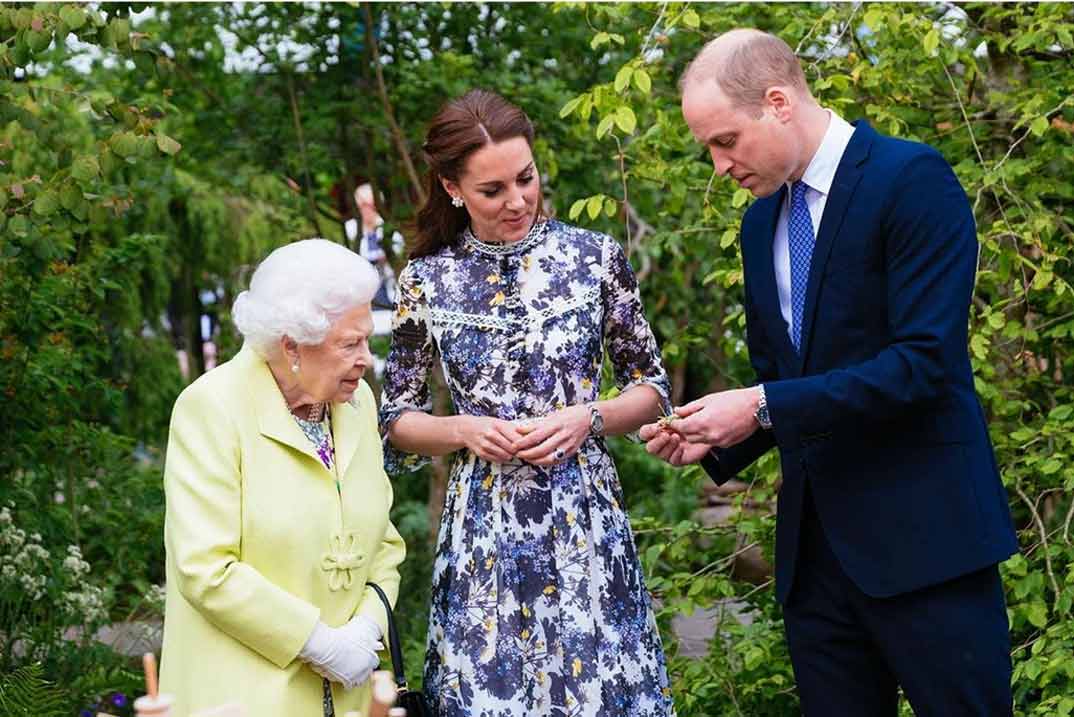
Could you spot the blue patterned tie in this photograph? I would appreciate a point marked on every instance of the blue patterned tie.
(800, 242)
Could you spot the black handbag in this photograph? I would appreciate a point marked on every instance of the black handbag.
(412, 702)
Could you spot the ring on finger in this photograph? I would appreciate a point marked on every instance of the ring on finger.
(558, 455)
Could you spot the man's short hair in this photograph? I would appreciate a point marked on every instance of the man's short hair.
(746, 70)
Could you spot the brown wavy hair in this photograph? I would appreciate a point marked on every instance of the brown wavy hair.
(461, 127)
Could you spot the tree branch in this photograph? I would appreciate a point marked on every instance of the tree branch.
(397, 132)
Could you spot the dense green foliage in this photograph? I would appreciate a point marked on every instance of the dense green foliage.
(140, 183)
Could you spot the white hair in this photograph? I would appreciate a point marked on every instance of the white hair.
(299, 291)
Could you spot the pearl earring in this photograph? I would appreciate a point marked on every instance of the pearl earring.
(456, 201)
(294, 367)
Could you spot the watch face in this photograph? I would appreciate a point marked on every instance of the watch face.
(596, 421)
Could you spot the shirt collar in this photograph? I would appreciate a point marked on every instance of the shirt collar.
(820, 173)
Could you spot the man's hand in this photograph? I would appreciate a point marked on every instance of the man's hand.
(670, 447)
(718, 419)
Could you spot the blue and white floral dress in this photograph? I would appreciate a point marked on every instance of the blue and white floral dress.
(539, 605)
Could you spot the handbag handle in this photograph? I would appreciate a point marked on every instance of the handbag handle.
(394, 647)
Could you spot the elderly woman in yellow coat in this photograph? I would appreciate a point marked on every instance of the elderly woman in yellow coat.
(277, 502)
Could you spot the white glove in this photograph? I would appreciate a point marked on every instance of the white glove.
(365, 632)
(344, 654)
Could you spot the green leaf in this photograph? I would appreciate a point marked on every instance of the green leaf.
(85, 169)
(754, 657)
(1061, 413)
(610, 207)
(167, 145)
(71, 197)
(3, 199)
(19, 225)
(1042, 279)
(690, 18)
(599, 39)
(569, 107)
(576, 209)
(618, 39)
(1050, 466)
(643, 81)
(124, 144)
(622, 78)
(996, 320)
(593, 205)
(46, 203)
(741, 196)
(1039, 126)
(73, 17)
(38, 41)
(931, 41)
(873, 18)
(23, 18)
(1037, 614)
(605, 125)
(625, 119)
(979, 346)
(728, 238)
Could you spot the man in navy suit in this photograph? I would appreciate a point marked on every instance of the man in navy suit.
(859, 260)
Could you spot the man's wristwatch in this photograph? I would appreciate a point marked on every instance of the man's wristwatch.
(596, 421)
(761, 414)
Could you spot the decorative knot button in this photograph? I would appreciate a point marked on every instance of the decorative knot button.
(342, 557)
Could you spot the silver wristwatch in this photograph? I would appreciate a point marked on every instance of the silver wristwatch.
(761, 414)
(596, 421)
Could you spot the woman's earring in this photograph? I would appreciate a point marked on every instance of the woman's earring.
(456, 201)
(294, 367)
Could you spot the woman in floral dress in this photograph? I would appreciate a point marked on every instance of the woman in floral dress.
(539, 606)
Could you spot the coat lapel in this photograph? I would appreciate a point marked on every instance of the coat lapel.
(273, 418)
(346, 432)
(846, 181)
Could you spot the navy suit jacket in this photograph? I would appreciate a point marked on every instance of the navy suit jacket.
(878, 411)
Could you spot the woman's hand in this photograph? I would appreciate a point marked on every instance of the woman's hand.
(491, 439)
(555, 437)
(342, 654)
(664, 443)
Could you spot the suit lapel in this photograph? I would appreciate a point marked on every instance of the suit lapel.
(845, 182)
(766, 294)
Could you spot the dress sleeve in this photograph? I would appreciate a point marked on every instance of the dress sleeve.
(628, 338)
(406, 375)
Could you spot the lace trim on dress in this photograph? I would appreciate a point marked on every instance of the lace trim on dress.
(443, 317)
(532, 238)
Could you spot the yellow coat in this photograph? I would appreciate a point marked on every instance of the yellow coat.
(260, 545)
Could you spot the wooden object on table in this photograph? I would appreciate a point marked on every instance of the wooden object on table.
(152, 704)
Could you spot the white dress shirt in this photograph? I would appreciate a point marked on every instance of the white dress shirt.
(818, 176)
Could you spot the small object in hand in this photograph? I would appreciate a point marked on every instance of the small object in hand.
(665, 421)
